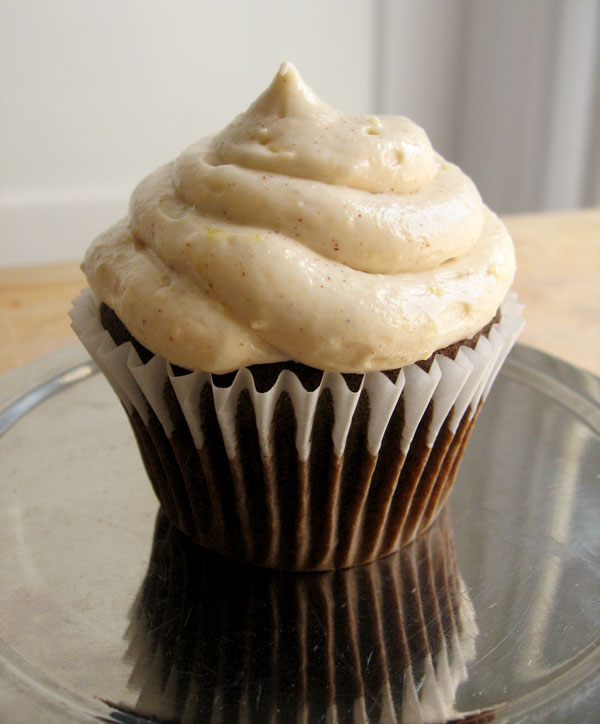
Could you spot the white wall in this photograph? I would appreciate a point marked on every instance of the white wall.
(97, 94)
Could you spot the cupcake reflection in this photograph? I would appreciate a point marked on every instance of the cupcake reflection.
(212, 641)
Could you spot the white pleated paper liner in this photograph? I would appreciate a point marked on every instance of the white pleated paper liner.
(389, 641)
(298, 479)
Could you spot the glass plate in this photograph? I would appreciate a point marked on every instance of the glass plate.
(107, 613)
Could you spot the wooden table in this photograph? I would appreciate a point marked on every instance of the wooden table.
(558, 279)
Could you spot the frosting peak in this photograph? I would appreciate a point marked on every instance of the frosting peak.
(288, 129)
(339, 240)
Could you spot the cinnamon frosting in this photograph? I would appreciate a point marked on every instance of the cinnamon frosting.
(339, 240)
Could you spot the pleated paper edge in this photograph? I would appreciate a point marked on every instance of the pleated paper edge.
(453, 385)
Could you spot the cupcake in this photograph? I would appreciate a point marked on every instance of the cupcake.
(302, 316)
(217, 641)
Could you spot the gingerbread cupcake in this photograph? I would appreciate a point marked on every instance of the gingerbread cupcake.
(302, 316)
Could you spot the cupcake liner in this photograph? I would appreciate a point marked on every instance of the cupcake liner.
(294, 478)
(390, 641)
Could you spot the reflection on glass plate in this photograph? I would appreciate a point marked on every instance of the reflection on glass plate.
(107, 613)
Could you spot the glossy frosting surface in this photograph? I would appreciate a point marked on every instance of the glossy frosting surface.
(300, 232)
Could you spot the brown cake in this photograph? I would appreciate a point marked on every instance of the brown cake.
(302, 316)
(201, 492)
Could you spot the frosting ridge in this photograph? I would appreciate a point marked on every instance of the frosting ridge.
(339, 240)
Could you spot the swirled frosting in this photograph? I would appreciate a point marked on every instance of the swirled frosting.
(300, 232)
